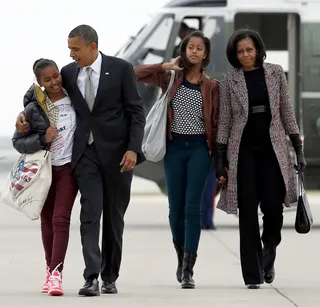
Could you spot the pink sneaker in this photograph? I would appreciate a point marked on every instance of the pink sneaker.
(44, 288)
(55, 283)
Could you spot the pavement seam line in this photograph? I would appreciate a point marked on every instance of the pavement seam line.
(238, 257)
(284, 296)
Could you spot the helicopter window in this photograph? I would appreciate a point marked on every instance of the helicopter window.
(214, 29)
(127, 45)
(192, 22)
(273, 29)
(210, 27)
(156, 45)
(188, 25)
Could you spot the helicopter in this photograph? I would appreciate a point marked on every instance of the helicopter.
(291, 32)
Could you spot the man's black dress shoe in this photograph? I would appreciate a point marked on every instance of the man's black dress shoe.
(109, 288)
(90, 288)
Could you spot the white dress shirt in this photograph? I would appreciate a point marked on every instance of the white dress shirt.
(95, 76)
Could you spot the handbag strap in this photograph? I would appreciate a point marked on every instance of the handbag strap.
(170, 82)
(46, 153)
(300, 183)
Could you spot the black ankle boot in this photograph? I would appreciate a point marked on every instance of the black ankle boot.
(269, 257)
(180, 252)
(269, 275)
(189, 260)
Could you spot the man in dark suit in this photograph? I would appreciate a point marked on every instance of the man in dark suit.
(107, 147)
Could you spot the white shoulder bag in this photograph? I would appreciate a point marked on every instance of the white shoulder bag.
(27, 186)
(154, 140)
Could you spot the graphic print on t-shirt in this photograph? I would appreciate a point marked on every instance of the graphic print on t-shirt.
(61, 147)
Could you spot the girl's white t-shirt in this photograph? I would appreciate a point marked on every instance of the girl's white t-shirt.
(61, 147)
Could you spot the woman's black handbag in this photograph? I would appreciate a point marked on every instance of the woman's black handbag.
(304, 219)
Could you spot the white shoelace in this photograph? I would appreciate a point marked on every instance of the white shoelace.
(55, 280)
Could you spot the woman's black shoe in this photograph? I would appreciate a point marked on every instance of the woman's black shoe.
(269, 257)
(269, 276)
(189, 260)
(253, 286)
(180, 252)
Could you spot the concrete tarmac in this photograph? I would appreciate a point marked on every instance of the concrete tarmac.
(147, 276)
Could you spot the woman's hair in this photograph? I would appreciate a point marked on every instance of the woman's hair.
(183, 50)
(239, 35)
(41, 64)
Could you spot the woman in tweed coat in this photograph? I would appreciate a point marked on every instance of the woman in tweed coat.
(253, 158)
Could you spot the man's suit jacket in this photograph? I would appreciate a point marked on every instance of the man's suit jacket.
(117, 119)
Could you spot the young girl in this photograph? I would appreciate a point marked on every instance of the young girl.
(52, 122)
(192, 119)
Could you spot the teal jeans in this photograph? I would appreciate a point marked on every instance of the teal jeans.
(186, 166)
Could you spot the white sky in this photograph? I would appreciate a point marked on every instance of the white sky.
(31, 29)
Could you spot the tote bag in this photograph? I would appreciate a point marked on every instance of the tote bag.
(154, 139)
(27, 185)
(304, 219)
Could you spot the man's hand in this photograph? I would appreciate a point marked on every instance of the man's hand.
(128, 161)
(21, 123)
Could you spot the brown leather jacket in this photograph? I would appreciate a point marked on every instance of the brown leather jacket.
(154, 74)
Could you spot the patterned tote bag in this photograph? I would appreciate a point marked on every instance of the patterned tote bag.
(27, 185)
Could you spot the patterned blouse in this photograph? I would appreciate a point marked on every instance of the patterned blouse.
(188, 110)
